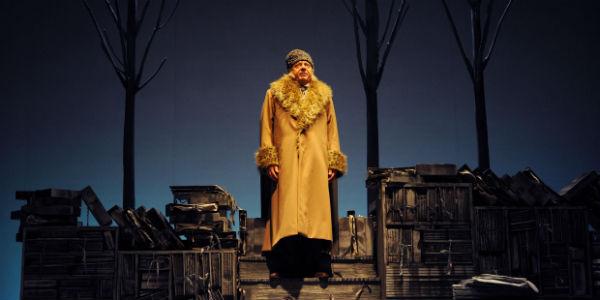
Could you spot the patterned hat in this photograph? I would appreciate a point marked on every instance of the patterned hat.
(297, 55)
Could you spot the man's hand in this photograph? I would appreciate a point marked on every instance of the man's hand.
(331, 174)
(274, 172)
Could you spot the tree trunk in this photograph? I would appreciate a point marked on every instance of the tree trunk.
(372, 129)
(371, 81)
(129, 150)
(483, 152)
(481, 122)
(130, 92)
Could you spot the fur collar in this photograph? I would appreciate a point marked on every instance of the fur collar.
(287, 91)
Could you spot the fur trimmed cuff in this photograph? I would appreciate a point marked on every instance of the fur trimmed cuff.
(266, 157)
(337, 161)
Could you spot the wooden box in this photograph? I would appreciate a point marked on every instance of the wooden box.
(192, 274)
(64, 262)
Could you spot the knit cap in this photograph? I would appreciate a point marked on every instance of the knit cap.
(297, 55)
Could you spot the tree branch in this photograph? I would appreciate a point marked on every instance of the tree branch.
(152, 35)
(118, 71)
(461, 47)
(104, 43)
(116, 18)
(347, 7)
(486, 25)
(170, 15)
(363, 27)
(399, 20)
(112, 50)
(361, 68)
(162, 63)
(121, 32)
(143, 14)
(387, 22)
(496, 33)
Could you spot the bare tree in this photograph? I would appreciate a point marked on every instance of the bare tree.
(130, 69)
(377, 46)
(483, 48)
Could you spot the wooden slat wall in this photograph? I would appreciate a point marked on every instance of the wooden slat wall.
(427, 242)
(176, 274)
(68, 262)
(549, 246)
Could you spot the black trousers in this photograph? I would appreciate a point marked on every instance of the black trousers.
(299, 256)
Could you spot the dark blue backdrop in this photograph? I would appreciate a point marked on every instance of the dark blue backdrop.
(197, 123)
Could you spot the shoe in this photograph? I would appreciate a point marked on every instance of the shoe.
(274, 275)
(321, 275)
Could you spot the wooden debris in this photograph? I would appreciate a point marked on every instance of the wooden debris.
(95, 206)
(547, 245)
(48, 207)
(204, 215)
(490, 286)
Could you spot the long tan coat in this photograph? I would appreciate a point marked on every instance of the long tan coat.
(298, 132)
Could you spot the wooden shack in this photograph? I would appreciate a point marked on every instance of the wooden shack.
(423, 230)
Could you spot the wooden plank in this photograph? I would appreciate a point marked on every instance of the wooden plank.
(95, 205)
(257, 269)
(311, 289)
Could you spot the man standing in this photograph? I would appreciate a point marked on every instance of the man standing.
(300, 151)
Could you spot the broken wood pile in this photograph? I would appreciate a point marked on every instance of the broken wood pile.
(525, 188)
(144, 229)
(204, 216)
(57, 207)
(46, 208)
(547, 245)
(524, 228)
(585, 191)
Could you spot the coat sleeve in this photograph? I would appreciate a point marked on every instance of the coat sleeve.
(336, 159)
(267, 153)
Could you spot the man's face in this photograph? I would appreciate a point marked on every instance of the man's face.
(302, 72)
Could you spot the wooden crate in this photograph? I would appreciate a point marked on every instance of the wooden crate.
(549, 246)
(65, 262)
(186, 274)
(425, 242)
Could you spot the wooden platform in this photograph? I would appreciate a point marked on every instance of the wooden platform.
(354, 278)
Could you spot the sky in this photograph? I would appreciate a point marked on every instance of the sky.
(62, 107)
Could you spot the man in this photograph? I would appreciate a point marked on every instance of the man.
(300, 151)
